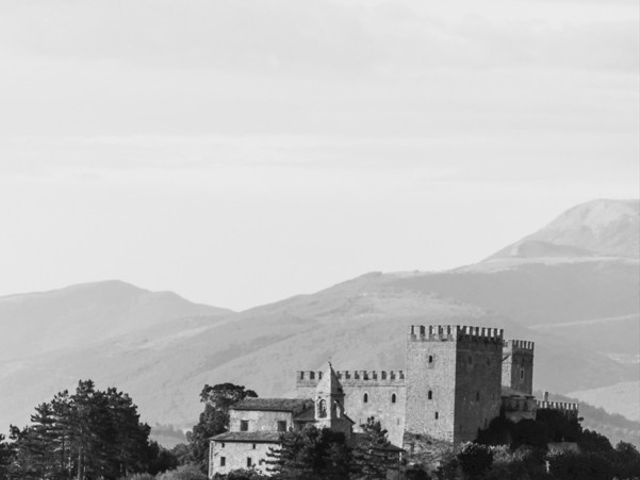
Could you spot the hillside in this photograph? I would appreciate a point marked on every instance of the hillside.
(78, 315)
(606, 228)
(163, 349)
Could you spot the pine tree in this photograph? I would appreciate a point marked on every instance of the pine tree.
(311, 453)
(374, 454)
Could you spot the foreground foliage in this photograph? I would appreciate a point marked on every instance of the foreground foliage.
(90, 434)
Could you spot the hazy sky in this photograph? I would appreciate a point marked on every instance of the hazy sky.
(238, 152)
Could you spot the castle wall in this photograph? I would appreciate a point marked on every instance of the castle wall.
(379, 386)
(478, 384)
(517, 366)
(448, 396)
(431, 367)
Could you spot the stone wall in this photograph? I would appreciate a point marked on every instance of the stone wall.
(380, 388)
(431, 380)
(517, 366)
(258, 420)
(235, 456)
(478, 385)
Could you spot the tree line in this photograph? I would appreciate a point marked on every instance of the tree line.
(94, 434)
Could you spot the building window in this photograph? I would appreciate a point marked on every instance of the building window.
(282, 425)
(322, 408)
(436, 415)
(365, 398)
(477, 396)
(522, 374)
(312, 375)
(430, 359)
(249, 462)
(429, 394)
(301, 375)
(393, 398)
(222, 445)
(244, 425)
(253, 446)
(470, 359)
(223, 461)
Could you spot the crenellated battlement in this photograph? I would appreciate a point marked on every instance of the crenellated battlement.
(456, 333)
(351, 377)
(522, 345)
(568, 407)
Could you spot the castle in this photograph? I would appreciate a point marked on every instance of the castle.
(457, 380)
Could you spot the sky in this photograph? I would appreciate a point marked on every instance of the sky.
(238, 152)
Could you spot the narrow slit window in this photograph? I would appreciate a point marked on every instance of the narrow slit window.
(430, 395)
(365, 398)
(393, 398)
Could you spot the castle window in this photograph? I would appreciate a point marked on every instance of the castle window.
(365, 398)
(430, 359)
(301, 375)
(322, 408)
(282, 424)
(253, 446)
(249, 462)
(477, 396)
(470, 359)
(244, 425)
(312, 375)
(436, 415)
(429, 394)
(223, 461)
(522, 374)
(222, 445)
(393, 398)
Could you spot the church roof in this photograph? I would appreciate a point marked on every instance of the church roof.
(273, 404)
(248, 437)
(330, 383)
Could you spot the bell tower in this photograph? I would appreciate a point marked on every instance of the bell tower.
(329, 400)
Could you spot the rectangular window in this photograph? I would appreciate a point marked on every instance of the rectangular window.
(223, 461)
(282, 426)
(436, 415)
(253, 446)
(249, 462)
(244, 425)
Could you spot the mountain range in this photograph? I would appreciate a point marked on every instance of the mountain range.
(572, 287)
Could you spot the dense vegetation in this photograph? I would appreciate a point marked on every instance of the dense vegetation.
(97, 435)
(90, 434)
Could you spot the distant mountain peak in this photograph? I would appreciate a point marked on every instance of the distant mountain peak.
(599, 228)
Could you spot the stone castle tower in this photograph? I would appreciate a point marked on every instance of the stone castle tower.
(451, 388)
(453, 380)
(517, 365)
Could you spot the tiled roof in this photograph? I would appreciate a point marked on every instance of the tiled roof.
(248, 437)
(273, 404)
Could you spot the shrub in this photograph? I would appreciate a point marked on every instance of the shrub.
(185, 472)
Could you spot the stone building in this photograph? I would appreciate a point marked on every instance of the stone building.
(457, 380)
(255, 424)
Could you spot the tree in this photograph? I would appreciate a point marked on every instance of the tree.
(475, 459)
(91, 434)
(374, 454)
(214, 419)
(312, 454)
